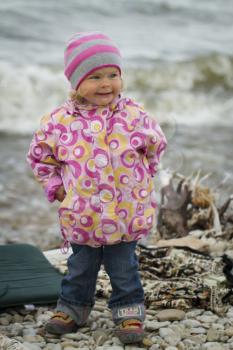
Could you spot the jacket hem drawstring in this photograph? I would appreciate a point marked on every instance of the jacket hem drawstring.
(65, 247)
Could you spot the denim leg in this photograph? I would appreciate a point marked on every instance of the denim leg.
(121, 264)
(78, 286)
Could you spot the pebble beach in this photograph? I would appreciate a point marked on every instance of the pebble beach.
(166, 329)
(22, 328)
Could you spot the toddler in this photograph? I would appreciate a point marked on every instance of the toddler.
(97, 154)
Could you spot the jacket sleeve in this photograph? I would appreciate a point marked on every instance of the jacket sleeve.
(155, 142)
(41, 158)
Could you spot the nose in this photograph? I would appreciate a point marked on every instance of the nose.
(105, 81)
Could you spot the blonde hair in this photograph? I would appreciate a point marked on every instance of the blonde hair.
(76, 97)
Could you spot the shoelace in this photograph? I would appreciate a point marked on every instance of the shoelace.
(62, 316)
(10, 344)
(132, 323)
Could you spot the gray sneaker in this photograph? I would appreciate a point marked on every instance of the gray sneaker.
(130, 331)
(61, 323)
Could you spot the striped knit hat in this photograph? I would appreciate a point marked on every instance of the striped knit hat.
(86, 52)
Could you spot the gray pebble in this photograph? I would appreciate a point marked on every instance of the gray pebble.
(212, 346)
(170, 315)
(198, 330)
(191, 323)
(169, 336)
(154, 325)
(31, 346)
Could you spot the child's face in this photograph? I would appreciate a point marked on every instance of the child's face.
(101, 87)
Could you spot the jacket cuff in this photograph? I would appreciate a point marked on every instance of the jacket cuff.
(153, 169)
(52, 186)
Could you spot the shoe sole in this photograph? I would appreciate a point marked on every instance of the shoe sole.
(59, 329)
(128, 338)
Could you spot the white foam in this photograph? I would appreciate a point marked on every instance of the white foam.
(27, 93)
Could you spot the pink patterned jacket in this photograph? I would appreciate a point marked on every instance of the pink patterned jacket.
(105, 157)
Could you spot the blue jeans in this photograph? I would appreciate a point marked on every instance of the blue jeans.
(121, 264)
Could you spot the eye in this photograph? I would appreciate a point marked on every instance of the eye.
(94, 77)
(113, 75)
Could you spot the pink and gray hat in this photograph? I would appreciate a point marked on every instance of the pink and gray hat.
(88, 51)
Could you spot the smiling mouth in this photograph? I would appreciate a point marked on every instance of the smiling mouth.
(104, 94)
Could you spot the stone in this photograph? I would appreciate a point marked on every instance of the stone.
(207, 319)
(213, 334)
(180, 329)
(29, 318)
(189, 343)
(191, 323)
(170, 315)
(17, 329)
(113, 347)
(51, 346)
(218, 326)
(100, 337)
(132, 347)
(29, 331)
(212, 346)
(169, 336)
(198, 330)
(5, 319)
(157, 340)
(33, 338)
(181, 346)
(16, 318)
(43, 318)
(69, 343)
(76, 336)
(93, 326)
(194, 313)
(197, 339)
(155, 347)
(7, 343)
(147, 342)
(30, 346)
(229, 332)
(116, 341)
(154, 325)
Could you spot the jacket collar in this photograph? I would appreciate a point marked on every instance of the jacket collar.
(75, 108)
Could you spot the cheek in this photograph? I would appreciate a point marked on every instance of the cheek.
(121, 85)
(86, 89)
(83, 90)
(118, 86)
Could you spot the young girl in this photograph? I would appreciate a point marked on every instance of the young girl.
(97, 154)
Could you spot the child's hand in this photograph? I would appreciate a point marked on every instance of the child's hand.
(60, 194)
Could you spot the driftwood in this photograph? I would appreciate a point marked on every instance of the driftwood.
(187, 205)
(173, 218)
